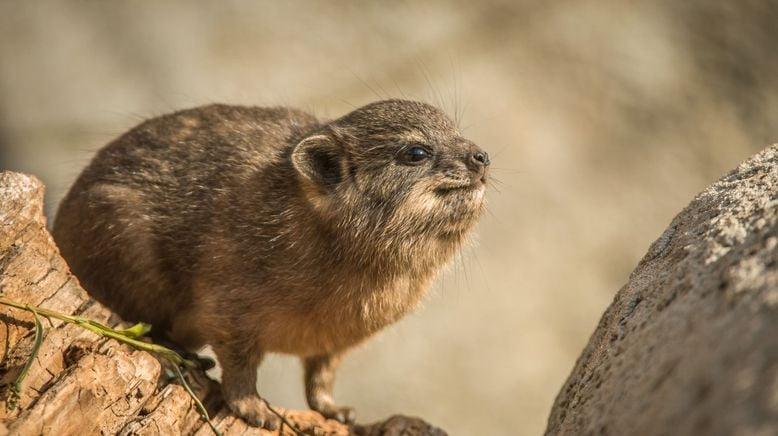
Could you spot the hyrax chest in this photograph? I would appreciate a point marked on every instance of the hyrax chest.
(339, 318)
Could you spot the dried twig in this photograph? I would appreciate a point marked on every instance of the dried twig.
(286, 422)
(197, 401)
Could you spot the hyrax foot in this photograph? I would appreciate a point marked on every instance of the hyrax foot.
(255, 412)
(319, 378)
(344, 415)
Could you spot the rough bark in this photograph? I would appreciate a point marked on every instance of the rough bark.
(83, 384)
(689, 345)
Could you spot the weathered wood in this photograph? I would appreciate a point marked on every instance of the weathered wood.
(96, 396)
(170, 412)
(83, 384)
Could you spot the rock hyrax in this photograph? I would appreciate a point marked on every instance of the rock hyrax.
(262, 230)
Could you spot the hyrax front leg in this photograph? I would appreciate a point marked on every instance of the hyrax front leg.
(319, 379)
(239, 385)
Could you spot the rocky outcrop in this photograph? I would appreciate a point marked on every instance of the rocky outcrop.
(689, 345)
(83, 384)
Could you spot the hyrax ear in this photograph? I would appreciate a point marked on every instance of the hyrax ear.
(317, 158)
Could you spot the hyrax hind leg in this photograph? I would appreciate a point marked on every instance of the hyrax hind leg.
(105, 234)
(319, 380)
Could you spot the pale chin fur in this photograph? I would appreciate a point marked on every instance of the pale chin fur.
(478, 193)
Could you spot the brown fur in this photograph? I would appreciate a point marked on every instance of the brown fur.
(265, 230)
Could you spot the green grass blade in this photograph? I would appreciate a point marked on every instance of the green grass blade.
(16, 388)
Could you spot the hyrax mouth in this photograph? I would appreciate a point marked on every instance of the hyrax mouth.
(460, 187)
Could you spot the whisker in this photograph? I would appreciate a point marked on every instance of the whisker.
(484, 276)
(497, 183)
(495, 217)
(399, 89)
(386, 94)
(496, 189)
(437, 97)
(348, 103)
(366, 84)
(508, 170)
(464, 270)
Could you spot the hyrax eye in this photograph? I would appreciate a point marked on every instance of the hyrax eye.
(416, 154)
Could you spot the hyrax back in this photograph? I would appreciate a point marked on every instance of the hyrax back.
(258, 230)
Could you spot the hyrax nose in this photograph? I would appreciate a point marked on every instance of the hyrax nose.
(479, 159)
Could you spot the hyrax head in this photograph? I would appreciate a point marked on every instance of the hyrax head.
(394, 169)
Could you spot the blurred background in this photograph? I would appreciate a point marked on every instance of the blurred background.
(603, 120)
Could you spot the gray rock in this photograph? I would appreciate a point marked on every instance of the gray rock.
(689, 345)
